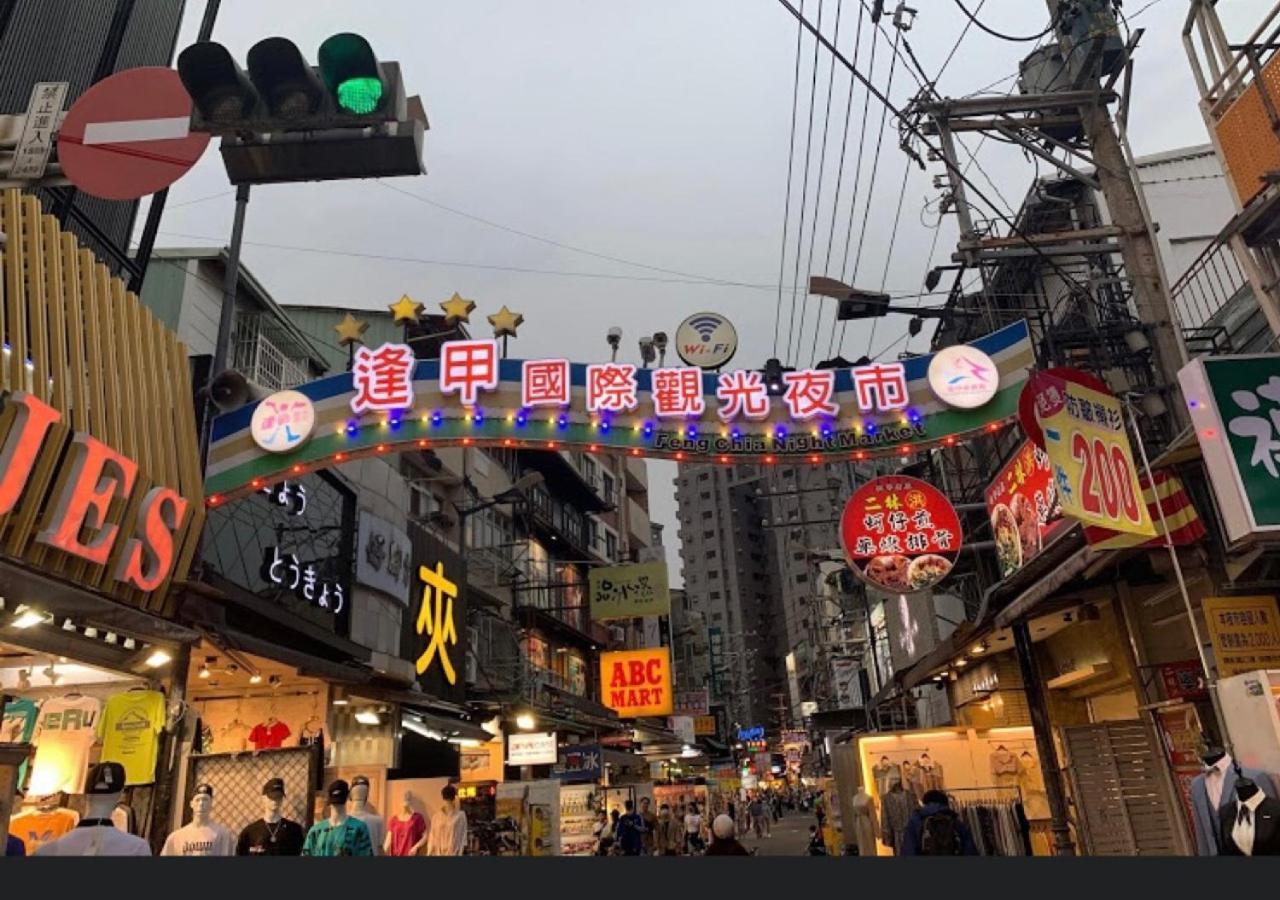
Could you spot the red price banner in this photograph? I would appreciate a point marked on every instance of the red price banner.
(1023, 504)
(900, 533)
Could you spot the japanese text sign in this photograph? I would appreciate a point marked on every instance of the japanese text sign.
(1245, 633)
(1093, 470)
(1023, 504)
(900, 533)
(636, 682)
(1235, 407)
(625, 592)
(303, 579)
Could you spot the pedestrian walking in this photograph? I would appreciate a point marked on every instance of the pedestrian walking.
(693, 830)
(668, 835)
(629, 831)
(936, 830)
(650, 821)
(724, 840)
(817, 846)
(756, 810)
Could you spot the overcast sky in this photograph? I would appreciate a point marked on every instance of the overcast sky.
(656, 133)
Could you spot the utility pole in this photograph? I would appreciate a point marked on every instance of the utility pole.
(1118, 183)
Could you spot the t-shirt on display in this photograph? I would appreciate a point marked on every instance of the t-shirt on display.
(405, 833)
(131, 726)
(261, 838)
(65, 733)
(200, 840)
(269, 735)
(97, 840)
(39, 828)
(16, 727)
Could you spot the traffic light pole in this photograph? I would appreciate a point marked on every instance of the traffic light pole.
(226, 318)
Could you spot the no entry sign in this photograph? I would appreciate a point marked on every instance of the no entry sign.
(129, 136)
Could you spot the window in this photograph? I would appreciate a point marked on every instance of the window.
(717, 617)
(708, 535)
(705, 495)
(607, 483)
(801, 579)
(708, 514)
(711, 554)
(715, 595)
(589, 469)
(703, 476)
(713, 574)
(611, 545)
(798, 556)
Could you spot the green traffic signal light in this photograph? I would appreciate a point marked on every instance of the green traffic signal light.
(351, 72)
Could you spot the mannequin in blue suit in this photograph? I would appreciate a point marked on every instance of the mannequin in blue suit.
(1207, 818)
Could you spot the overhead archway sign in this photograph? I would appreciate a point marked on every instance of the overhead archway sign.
(391, 401)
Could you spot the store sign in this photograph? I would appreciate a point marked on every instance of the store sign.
(1093, 468)
(844, 678)
(290, 497)
(1234, 404)
(901, 534)
(1245, 633)
(704, 726)
(1022, 502)
(579, 762)
(384, 557)
(392, 400)
(754, 733)
(963, 377)
(706, 340)
(483, 763)
(1184, 680)
(691, 703)
(537, 748)
(434, 630)
(283, 422)
(304, 580)
(636, 683)
(628, 592)
(80, 517)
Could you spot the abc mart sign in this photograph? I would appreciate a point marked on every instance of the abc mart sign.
(392, 401)
(1234, 403)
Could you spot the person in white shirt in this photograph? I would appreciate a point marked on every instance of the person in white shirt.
(693, 829)
(96, 834)
(448, 835)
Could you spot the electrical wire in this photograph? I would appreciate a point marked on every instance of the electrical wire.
(888, 255)
(1004, 37)
(817, 197)
(804, 191)
(791, 157)
(967, 25)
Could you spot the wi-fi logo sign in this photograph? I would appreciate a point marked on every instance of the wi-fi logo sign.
(705, 326)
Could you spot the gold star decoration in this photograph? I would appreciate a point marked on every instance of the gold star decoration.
(456, 310)
(350, 330)
(405, 310)
(505, 322)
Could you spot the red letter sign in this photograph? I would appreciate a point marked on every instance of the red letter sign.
(98, 474)
(148, 557)
(32, 420)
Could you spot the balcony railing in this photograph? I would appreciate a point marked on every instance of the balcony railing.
(1216, 306)
(259, 359)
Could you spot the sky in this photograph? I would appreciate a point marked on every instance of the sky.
(658, 134)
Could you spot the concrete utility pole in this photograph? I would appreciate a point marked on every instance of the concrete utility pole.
(1118, 183)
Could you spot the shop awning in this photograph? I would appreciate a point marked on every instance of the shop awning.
(1074, 565)
(449, 726)
(305, 663)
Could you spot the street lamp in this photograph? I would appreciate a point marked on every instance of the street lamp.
(526, 721)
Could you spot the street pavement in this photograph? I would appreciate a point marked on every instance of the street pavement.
(789, 837)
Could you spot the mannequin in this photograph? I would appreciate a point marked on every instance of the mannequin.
(361, 810)
(866, 822)
(339, 834)
(448, 826)
(273, 834)
(96, 834)
(201, 836)
(1214, 790)
(1250, 823)
(406, 831)
(896, 808)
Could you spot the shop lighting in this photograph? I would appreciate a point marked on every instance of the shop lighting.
(526, 721)
(68, 625)
(255, 678)
(368, 717)
(158, 658)
(129, 643)
(464, 742)
(27, 617)
(980, 647)
(111, 637)
(339, 697)
(91, 632)
(204, 672)
(961, 663)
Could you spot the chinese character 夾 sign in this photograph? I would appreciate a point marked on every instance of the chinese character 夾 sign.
(1245, 633)
(901, 534)
(1092, 464)
(1234, 404)
(626, 592)
(434, 626)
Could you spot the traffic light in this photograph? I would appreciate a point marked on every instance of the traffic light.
(285, 120)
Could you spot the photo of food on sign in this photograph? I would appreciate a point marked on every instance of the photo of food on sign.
(900, 534)
(1022, 501)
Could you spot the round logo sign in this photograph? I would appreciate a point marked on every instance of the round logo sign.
(283, 422)
(963, 377)
(706, 340)
(901, 534)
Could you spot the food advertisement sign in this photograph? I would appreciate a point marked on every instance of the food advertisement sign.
(901, 534)
(1023, 505)
(1092, 463)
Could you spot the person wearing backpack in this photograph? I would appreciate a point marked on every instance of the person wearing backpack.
(936, 830)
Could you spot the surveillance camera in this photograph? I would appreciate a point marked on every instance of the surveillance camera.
(614, 337)
(660, 340)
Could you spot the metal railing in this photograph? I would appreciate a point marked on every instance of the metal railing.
(258, 359)
(1215, 304)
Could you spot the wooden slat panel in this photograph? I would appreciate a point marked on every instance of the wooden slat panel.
(56, 292)
(37, 300)
(15, 292)
(73, 283)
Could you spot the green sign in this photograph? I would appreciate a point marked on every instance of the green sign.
(1246, 391)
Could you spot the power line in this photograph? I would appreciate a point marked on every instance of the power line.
(888, 255)
(804, 190)
(967, 25)
(1004, 37)
(786, 211)
(817, 197)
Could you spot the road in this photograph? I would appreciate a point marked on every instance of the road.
(790, 837)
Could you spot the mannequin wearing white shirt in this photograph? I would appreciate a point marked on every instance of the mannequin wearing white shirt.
(201, 836)
(448, 829)
(360, 810)
(96, 834)
(1213, 791)
(1250, 822)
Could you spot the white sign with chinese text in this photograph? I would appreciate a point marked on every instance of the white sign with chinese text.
(35, 145)
(537, 748)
